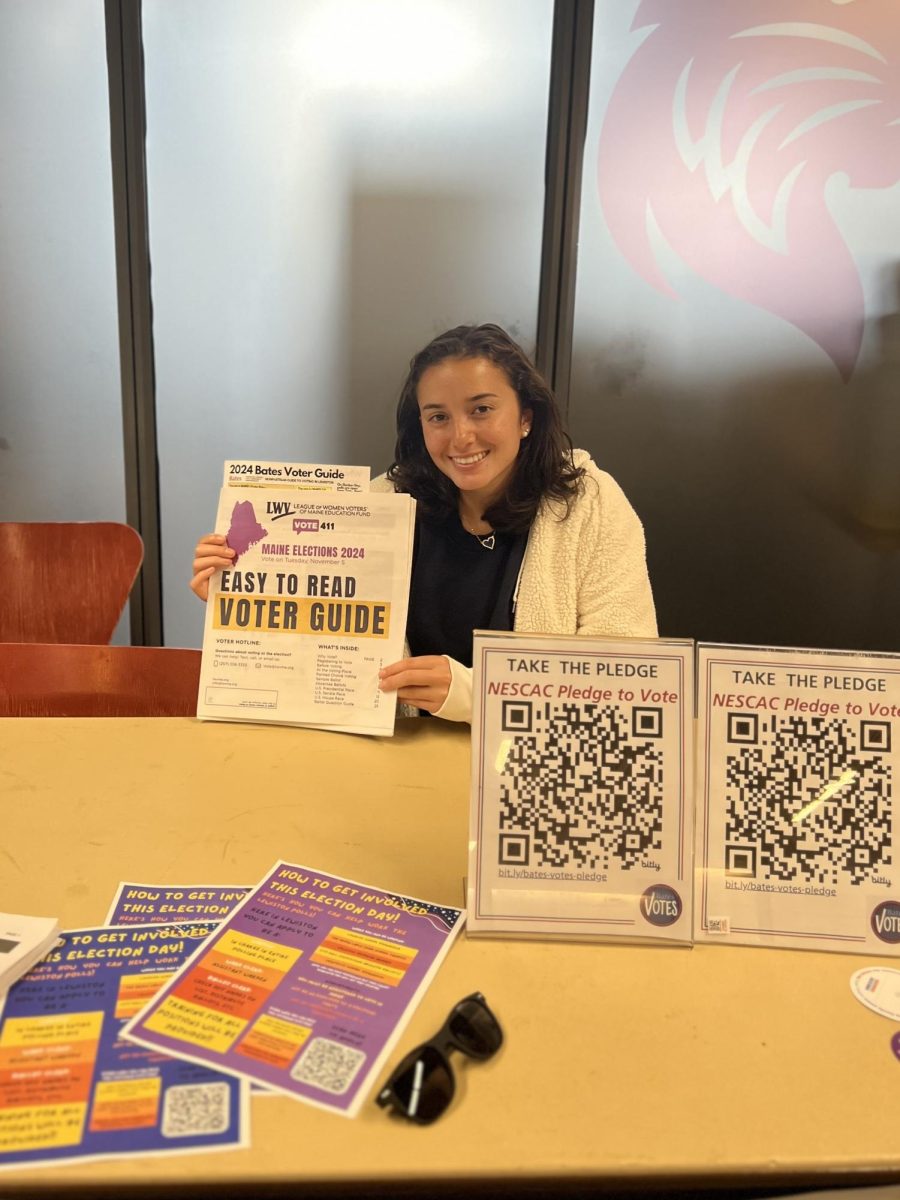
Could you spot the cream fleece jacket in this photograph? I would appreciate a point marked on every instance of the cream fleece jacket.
(585, 573)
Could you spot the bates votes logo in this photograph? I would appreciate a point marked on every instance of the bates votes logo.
(661, 905)
(886, 921)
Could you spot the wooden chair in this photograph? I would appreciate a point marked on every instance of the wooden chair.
(38, 680)
(65, 581)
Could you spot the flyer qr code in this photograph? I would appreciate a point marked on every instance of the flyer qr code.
(808, 799)
(581, 785)
(195, 1108)
(328, 1065)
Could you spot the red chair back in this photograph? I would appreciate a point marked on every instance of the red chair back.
(97, 681)
(65, 581)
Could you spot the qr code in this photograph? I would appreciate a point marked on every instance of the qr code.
(808, 800)
(582, 785)
(328, 1065)
(194, 1108)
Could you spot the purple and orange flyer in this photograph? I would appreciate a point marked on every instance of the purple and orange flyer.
(72, 1089)
(151, 904)
(305, 987)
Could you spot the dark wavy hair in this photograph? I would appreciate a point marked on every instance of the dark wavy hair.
(544, 466)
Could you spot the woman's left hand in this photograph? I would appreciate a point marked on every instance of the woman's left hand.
(423, 681)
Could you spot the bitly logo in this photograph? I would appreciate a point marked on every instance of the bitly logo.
(886, 921)
(725, 133)
(661, 905)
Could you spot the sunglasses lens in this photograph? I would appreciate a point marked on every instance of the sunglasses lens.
(422, 1086)
(474, 1028)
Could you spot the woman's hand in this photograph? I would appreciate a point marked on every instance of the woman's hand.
(423, 681)
(211, 555)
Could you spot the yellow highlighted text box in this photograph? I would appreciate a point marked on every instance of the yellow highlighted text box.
(267, 954)
(41, 1127)
(304, 615)
(354, 965)
(67, 1027)
(282, 1031)
(349, 938)
(113, 1091)
(273, 1041)
(137, 990)
(125, 1103)
(177, 1018)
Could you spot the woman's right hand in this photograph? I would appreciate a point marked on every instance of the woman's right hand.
(211, 555)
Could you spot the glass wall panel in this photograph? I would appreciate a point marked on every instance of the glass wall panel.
(736, 342)
(331, 182)
(61, 452)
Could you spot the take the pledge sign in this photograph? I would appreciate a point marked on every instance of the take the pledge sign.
(796, 831)
(580, 820)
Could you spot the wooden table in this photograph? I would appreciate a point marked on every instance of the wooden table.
(622, 1065)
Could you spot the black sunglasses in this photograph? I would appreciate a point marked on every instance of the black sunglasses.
(422, 1085)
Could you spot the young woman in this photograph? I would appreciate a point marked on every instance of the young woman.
(514, 528)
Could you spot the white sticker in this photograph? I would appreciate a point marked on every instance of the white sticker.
(878, 988)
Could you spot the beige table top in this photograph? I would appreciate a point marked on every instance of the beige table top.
(620, 1064)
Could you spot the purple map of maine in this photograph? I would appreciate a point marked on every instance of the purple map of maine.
(244, 531)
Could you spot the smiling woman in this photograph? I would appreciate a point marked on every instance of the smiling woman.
(514, 528)
(480, 445)
(472, 425)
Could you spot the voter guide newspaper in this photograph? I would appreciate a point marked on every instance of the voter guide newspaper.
(302, 476)
(581, 811)
(796, 823)
(314, 603)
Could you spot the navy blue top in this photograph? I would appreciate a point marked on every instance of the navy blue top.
(459, 585)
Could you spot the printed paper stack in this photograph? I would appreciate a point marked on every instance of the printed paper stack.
(304, 988)
(71, 1089)
(314, 603)
(23, 942)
